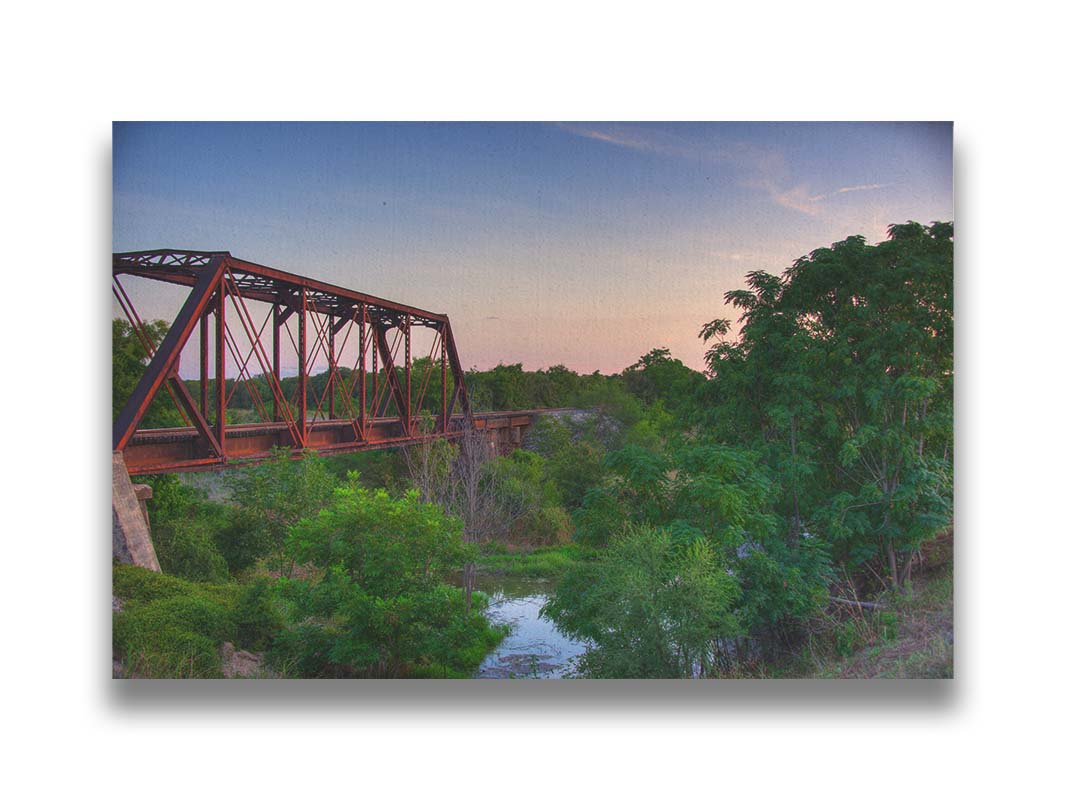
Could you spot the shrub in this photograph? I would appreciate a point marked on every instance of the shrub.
(175, 637)
(257, 616)
(243, 540)
(277, 494)
(142, 585)
(183, 524)
(652, 608)
(187, 548)
(381, 606)
(846, 638)
(886, 623)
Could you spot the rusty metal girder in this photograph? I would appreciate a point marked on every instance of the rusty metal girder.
(222, 289)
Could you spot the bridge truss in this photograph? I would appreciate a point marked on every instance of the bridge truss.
(243, 315)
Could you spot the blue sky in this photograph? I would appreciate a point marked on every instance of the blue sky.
(586, 244)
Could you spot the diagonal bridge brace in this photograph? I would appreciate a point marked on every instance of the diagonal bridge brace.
(164, 366)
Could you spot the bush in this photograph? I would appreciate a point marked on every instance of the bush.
(382, 606)
(635, 491)
(175, 637)
(573, 453)
(846, 638)
(187, 548)
(243, 540)
(886, 623)
(274, 496)
(142, 585)
(183, 530)
(546, 526)
(171, 499)
(257, 616)
(171, 627)
(652, 608)
(523, 485)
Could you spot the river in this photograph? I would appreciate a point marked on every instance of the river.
(534, 648)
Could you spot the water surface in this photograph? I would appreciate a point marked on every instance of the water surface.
(535, 648)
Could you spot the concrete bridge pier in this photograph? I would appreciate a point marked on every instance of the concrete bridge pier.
(131, 540)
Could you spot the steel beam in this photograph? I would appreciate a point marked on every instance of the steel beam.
(166, 358)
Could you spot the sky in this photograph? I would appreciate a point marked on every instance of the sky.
(584, 244)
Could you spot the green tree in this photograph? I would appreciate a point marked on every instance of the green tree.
(381, 604)
(573, 454)
(524, 483)
(272, 497)
(725, 497)
(652, 608)
(128, 361)
(184, 529)
(841, 378)
(657, 376)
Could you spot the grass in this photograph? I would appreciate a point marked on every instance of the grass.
(910, 637)
(924, 649)
(538, 562)
(170, 627)
(922, 646)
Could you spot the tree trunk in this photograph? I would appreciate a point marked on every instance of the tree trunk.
(892, 553)
(468, 583)
(794, 529)
(906, 576)
(859, 603)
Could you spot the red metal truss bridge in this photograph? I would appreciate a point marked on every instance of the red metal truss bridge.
(241, 317)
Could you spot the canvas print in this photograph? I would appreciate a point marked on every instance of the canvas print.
(546, 400)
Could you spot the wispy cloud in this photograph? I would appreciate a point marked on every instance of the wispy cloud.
(758, 167)
(866, 187)
(799, 199)
(648, 140)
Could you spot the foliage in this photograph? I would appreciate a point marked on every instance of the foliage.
(142, 585)
(509, 387)
(656, 377)
(378, 469)
(524, 484)
(573, 455)
(188, 549)
(184, 529)
(170, 628)
(274, 496)
(171, 499)
(652, 607)
(243, 539)
(723, 496)
(382, 605)
(128, 362)
(258, 616)
(841, 378)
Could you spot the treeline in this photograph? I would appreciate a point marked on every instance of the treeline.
(506, 387)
